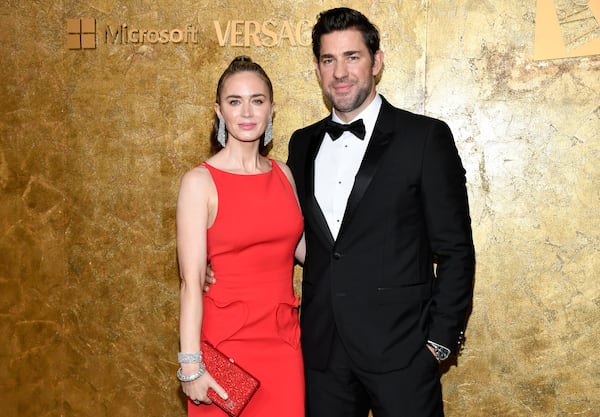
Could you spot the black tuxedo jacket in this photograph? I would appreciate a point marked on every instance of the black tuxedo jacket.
(376, 284)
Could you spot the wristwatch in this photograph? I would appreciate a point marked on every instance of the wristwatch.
(441, 352)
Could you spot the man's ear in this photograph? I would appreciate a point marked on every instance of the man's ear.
(377, 62)
(317, 70)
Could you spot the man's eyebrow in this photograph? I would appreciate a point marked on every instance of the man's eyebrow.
(345, 53)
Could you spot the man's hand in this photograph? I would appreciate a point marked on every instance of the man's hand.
(210, 278)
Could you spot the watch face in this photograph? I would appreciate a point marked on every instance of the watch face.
(441, 354)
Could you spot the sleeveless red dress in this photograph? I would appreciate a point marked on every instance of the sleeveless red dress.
(251, 313)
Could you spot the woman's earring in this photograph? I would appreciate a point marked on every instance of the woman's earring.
(221, 132)
(268, 132)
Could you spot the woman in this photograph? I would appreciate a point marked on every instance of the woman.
(239, 212)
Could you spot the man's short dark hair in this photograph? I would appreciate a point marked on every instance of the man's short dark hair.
(343, 18)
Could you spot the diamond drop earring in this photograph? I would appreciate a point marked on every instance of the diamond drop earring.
(268, 132)
(221, 132)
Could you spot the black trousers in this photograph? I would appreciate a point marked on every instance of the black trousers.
(345, 390)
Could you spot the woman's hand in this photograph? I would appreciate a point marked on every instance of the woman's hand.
(197, 390)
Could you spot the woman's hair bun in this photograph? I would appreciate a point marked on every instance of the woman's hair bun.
(242, 58)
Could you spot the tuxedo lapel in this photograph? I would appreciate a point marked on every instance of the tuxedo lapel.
(314, 210)
(377, 146)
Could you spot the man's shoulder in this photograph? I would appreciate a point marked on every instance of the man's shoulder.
(400, 114)
(306, 130)
(302, 137)
(411, 127)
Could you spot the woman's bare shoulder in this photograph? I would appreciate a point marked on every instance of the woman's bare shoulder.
(283, 166)
(286, 169)
(197, 178)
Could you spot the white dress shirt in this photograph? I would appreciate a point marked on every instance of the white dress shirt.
(337, 163)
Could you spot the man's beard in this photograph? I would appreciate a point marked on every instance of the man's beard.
(341, 105)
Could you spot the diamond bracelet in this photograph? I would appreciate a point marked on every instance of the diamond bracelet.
(195, 357)
(192, 377)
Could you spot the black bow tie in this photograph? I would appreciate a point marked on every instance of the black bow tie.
(335, 129)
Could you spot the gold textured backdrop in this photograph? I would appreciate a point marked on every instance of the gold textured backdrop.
(93, 143)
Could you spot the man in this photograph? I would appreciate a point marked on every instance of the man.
(380, 212)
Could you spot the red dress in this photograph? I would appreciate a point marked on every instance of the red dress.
(251, 313)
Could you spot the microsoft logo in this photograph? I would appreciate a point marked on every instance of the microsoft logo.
(81, 33)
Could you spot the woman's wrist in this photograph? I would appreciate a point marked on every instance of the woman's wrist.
(189, 368)
(191, 372)
(184, 357)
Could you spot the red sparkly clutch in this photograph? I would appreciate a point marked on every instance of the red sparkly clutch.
(237, 382)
